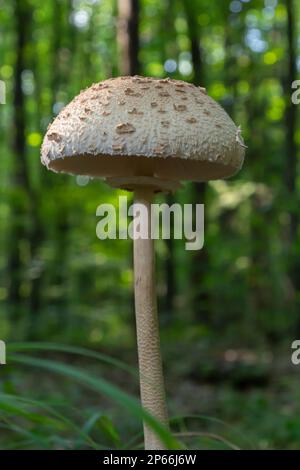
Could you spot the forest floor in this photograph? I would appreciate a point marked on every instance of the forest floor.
(228, 399)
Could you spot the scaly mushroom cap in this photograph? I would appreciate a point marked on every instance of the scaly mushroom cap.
(139, 126)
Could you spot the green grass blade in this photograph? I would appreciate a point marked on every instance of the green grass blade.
(101, 386)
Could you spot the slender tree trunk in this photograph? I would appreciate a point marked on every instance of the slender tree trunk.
(291, 147)
(170, 49)
(38, 232)
(128, 36)
(59, 79)
(291, 155)
(230, 68)
(20, 179)
(200, 299)
(62, 214)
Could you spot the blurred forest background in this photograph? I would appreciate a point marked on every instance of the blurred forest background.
(229, 312)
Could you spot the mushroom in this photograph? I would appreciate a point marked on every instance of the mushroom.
(115, 130)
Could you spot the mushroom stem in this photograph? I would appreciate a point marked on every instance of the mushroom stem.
(150, 363)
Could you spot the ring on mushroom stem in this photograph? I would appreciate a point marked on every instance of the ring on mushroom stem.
(157, 185)
(145, 135)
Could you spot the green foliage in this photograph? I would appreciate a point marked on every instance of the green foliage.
(60, 285)
(13, 405)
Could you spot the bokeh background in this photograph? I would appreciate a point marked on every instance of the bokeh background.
(229, 312)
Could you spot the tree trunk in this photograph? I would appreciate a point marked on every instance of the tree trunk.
(200, 297)
(291, 147)
(128, 36)
(38, 231)
(291, 157)
(20, 179)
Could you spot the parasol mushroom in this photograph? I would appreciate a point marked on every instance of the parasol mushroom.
(145, 135)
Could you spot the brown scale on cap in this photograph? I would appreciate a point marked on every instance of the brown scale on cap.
(180, 107)
(118, 147)
(53, 136)
(131, 92)
(140, 79)
(125, 128)
(196, 140)
(135, 111)
(191, 120)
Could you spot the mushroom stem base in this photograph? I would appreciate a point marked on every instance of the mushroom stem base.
(150, 363)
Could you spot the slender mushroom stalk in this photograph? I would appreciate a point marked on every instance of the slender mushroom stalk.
(147, 325)
(145, 135)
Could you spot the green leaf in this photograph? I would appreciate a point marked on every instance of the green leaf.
(16, 347)
(102, 386)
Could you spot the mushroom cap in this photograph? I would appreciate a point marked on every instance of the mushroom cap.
(139, 126)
